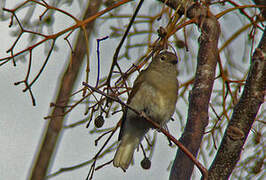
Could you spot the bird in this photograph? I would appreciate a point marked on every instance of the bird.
(155, 93)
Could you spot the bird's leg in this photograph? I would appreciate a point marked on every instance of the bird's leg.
(143, 115)
(169, 141)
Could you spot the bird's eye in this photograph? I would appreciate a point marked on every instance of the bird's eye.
(162, 58)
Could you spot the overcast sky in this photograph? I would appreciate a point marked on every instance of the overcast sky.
(21, 124)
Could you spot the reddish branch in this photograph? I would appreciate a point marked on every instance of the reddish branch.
(46, 38)
(244, 112)
(55, 124)
(56, 35)
(263, 10)
(157, 126)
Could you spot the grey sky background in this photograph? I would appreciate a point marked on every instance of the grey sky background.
(21, 124)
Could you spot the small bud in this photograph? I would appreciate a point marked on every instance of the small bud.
(99, 121)
(145, 163)
(161, 32)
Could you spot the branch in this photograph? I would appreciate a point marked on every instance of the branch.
(115, 57)
(56, 35)
(45, 38)
(54, 126)
(263, 10)
(156, 126)
(200, 95)
(174, 4)
(243, 117)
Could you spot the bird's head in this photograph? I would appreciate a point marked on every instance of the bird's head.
(166, 57)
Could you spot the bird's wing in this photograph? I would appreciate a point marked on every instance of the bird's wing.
(137, 83)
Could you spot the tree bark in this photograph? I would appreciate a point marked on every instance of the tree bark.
(243, 116)
(54, 126)
(200, 95)
(244, 112)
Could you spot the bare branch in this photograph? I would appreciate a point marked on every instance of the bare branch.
(200, 95)
(115, 57)
(243, 116)
(48, 146)
(157, 126)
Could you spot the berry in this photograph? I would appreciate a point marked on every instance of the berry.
(99, 121)
(146, 163)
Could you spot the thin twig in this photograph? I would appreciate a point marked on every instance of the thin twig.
(202, 169)
(115, 57)
(98, 58)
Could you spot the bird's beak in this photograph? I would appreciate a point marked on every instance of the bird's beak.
(174, 61)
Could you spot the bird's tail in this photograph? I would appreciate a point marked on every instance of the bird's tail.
(125, 151)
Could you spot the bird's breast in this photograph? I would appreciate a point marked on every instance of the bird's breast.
(155, 102)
